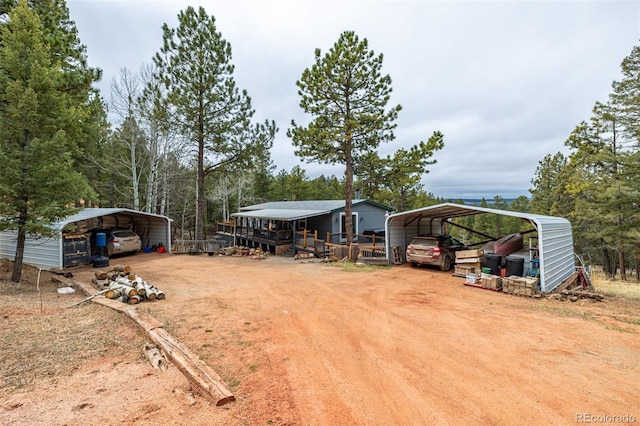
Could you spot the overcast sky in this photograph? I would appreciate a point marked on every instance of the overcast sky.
(504, 81)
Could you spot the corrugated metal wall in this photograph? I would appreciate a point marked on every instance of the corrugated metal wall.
(555, 238)
(47, 253)
(43, 253)
(557, 260)
(400, 235)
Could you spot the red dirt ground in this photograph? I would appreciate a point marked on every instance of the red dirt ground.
(302, 343)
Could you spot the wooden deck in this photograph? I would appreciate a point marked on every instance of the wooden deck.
(370, 248)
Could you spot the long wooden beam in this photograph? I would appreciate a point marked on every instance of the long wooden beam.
(199, 374)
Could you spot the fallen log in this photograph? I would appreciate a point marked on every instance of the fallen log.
(59, 279)
(579, 294)
(135, 299)
(155, 356)
(112, 303)
(57, 271)
(201, 376)
(113, 293)
(159, 294)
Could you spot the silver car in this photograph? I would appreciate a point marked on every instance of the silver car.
(119, 241)
(438, 251)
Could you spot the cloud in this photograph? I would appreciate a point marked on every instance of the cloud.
(505, 81)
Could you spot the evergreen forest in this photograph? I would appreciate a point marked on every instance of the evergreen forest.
(178, 138)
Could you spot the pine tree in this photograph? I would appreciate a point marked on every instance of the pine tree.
(194, 64)
(548, 187)
(347, 95)
(77, 78)
(38, 123)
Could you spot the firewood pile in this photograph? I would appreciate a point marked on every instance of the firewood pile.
(254, 253)
(121, 284)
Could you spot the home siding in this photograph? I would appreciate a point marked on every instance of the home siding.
(369, 216)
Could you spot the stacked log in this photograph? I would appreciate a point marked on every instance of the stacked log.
(123, 285)
(253, 253)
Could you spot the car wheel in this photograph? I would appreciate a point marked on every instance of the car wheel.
(446, 264)
(414, 264)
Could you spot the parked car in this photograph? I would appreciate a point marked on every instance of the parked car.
(438, 251)
(119, 241)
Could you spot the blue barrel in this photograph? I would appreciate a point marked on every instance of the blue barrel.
(101, 239)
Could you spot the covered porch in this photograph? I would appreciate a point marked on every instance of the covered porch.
(293, 235)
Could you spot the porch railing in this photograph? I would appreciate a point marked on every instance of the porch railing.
(370, 246)
(197, 246)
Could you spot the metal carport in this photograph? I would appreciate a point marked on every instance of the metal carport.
(48, 253)
(555, 236)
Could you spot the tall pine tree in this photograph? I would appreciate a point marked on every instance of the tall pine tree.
(347, 96)
(38, 123)
(194, 64)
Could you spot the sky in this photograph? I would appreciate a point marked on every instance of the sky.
(505, 81)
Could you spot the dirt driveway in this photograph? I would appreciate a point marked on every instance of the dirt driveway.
(303, 343)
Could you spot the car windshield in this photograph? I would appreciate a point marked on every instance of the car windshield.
(424, 241)
(124, 233)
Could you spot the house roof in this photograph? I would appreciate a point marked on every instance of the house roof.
(294, 210)
(280, 214)
(324, 205)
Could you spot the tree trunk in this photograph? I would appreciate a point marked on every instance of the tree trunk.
(133, 158)
(17, 265)
(621, 262)
(348, 201)
(200, 200)
(607, 264)
(165, 185)
(152, 182)
(24, 212)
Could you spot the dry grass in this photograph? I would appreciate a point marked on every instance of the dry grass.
(41, 339)
(619, 289)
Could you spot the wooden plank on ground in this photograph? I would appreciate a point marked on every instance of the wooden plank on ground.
(199, 374)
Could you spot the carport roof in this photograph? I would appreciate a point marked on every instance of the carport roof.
(92, 212)
(555, 237)
(451, 210)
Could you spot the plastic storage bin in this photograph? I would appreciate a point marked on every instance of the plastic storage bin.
(515, 265)
(493, 261)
